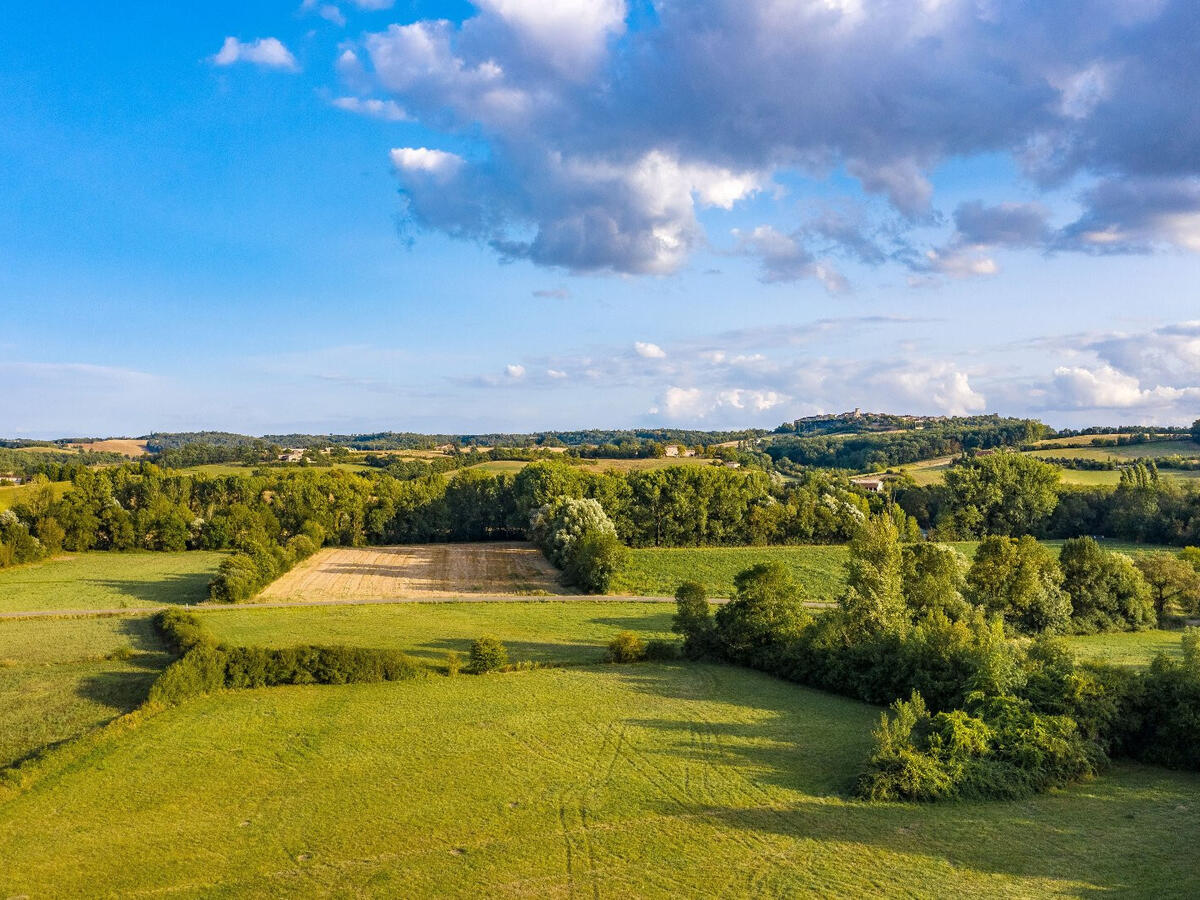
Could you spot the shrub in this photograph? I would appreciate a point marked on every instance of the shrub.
(661, 651)
(453, 663)
(1000, 749)
(626, 647)
(1107, 591)
(579, 538)
(1019, 580)
(200, 671)
(182, 630)
(693, 619)
(487, 655)
(766, 614)
(596, 558)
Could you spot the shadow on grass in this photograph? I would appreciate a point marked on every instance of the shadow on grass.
(655, 622)
(1116, 834)
(168, 590)
(573, 653)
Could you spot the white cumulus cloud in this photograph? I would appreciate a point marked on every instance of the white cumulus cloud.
(646, 350)
(269, 52)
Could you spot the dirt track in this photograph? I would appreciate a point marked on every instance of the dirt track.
(418, 571)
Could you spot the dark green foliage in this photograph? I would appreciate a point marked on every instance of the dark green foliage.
(693, 619)
(597, 557)
(874, 597)
(658, 650)
(900, 440)
(934, 580)
(206, 667)
(1107, 591)
(766, 614)
(487, 655)
(255, 565)
(1019, 580)
(1162, 712)
(200, 671)
(1173, 580)
(626, 647)
(182, 631)
(1005, 493)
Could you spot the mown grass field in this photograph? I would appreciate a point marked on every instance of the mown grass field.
(571, 631)
(646, 781)
(62, 677)
(103, 580)
(658, 571)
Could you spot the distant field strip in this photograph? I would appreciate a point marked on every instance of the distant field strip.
(418, 571)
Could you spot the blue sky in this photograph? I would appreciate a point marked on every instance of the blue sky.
(525, 214)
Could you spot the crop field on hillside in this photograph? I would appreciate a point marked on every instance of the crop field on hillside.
(101, 580)
(12, 494)
(417, 571)
(62, 677)
(1153, 449)
(568, 631)
(649, 781)
(125, 446)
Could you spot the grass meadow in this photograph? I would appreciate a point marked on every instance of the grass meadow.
(658, 571)
(647, 781)
(62, 677)
(567, 632)
(1132, 649)
(100, 580)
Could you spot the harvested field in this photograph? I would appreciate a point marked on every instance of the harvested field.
(124, 446)
(418, 571)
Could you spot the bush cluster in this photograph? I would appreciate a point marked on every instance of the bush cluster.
(579, 538)
(206, 666)
(244, 573)
(487, 655)
(976, 713)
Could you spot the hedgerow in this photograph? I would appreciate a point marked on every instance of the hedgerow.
(206, 666)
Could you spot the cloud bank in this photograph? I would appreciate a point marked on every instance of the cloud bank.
(603, 132)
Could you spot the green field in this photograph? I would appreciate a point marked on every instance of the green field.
(59, 678)
(1133, 649)
(575, 631)
(658, 571)
(103, 580)
(12, 494)
(1154, 449)
(647, 781)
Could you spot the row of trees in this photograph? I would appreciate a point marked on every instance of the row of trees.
(869, 451)
(140, 506)
(1015, 494)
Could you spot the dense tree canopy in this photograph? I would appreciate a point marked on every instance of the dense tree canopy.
(1005, 493)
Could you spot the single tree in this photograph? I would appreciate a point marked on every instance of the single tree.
(874, 596)
(1173, 581)
(1019, 580)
